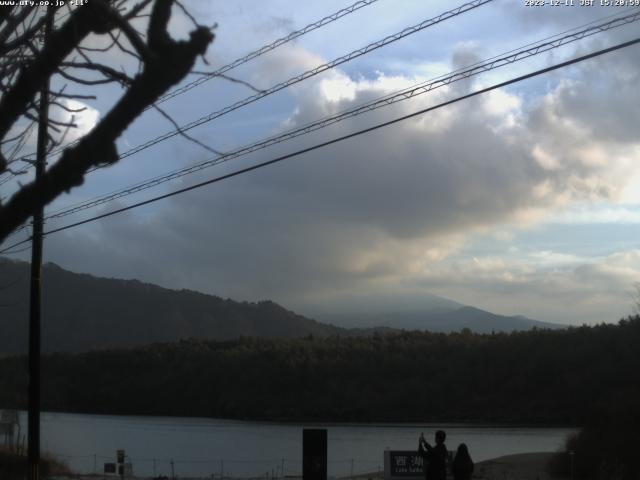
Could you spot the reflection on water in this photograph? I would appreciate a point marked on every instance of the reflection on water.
(206, 447)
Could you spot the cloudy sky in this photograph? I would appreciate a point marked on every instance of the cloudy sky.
(525, 200)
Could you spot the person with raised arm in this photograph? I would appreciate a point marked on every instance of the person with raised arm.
(434, 457)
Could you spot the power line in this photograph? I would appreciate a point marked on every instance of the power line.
(310, 73)
(339, 139)
(267, 48)
(20, 250)
(304, 76)
(250, 56)
(408, 93)
(479, 67)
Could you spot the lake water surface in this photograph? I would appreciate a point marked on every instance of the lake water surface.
(206, 447)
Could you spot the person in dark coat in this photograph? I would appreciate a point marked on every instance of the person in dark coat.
(462, 464)
(434, 457)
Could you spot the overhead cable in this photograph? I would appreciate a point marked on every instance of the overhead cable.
(310, 73)
(305, 75)
(267, 48)
(405, 94)
(338, 139)
(250, 56)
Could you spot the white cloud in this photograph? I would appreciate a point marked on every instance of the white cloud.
(395, 208)
(546, 161)
(543, 284)
(85, 118)
(606, 214)
(338, 88)
(500, 103)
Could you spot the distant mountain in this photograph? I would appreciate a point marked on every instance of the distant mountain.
(455, 319)
(81, 312)
(356, 310)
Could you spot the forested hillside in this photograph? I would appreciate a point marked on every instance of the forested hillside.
(82, 312)
(543, 376)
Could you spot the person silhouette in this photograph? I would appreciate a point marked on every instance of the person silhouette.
(462, 465)
(434, 457)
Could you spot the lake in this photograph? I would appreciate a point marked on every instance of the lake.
(206, 447)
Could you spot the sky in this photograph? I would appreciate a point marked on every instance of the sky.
(521, 201)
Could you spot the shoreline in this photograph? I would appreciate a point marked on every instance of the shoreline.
(426, 424)
(521, 466)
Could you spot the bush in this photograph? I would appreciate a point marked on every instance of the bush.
(607, 447)
(13, 466)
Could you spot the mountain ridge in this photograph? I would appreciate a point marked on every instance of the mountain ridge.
(83, 312)
(473, 318)
(79, 313)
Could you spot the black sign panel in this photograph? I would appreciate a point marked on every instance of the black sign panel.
(109, 468)
(405, 463)
(314, 454)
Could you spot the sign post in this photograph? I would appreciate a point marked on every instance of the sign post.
(120, 459)
(314, 454)
(403, 465)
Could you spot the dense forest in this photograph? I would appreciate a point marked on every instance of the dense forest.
(541, 376)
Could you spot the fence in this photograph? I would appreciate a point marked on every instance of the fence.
(219, 469)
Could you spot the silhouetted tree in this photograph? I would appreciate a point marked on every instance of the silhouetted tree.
(26, 63)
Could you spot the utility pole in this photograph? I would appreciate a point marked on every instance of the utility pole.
(33, 454)
(571, 456)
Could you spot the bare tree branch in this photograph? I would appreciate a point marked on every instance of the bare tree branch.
(31, 79)
(187, 13)
(183, 133)
(105, 49)
(116, 20)
(108, 72)
(166, 63)
(23, 38)
(133, 13)
(241, 82)
(74, 96)
(66, 108)
(62, 137)
(83, 81)
(11, 23)
(117, 41)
